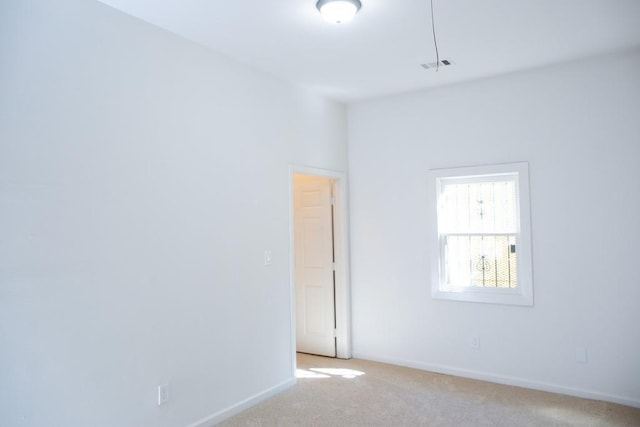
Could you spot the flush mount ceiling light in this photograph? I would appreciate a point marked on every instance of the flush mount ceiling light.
(338, 11)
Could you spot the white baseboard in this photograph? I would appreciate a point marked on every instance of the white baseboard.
(219, 416)
(501, 379)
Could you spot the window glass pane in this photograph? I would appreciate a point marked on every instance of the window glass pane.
(480, 207)
(481, 261)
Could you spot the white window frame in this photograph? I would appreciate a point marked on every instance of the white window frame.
(523, 293)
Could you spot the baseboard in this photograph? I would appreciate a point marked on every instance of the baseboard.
(213, 419)
(501, 379)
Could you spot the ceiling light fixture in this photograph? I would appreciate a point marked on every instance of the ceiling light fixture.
(338, 11)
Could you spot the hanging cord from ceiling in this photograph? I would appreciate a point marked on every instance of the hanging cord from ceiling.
(435, 42)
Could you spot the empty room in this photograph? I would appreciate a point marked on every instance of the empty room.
(319, 212)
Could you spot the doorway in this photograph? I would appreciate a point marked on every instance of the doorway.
(319, 263)
(314, 264)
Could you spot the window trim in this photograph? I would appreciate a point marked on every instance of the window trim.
(523, 294)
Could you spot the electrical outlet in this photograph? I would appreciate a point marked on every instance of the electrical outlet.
(475, 342)
(163, 394)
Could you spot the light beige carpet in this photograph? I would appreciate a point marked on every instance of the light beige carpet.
(334, 392)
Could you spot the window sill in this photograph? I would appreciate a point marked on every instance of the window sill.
(490, 296)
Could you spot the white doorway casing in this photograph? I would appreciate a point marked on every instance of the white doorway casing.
(341, 245)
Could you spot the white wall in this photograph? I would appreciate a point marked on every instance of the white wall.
(141, 179)
(578, 125)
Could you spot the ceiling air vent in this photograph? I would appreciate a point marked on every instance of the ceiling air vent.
(432, 65)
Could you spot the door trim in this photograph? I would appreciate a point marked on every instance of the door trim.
(341, 236)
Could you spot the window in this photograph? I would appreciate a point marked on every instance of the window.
(480, 233)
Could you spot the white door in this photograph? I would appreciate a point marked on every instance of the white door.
(314, 275)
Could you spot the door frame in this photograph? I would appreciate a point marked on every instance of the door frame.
(341, 247)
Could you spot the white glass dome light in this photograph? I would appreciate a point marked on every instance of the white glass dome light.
(338, 11)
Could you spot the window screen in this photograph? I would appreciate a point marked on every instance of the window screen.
(478, 226)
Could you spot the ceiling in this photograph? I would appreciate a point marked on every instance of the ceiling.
(381, 50)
